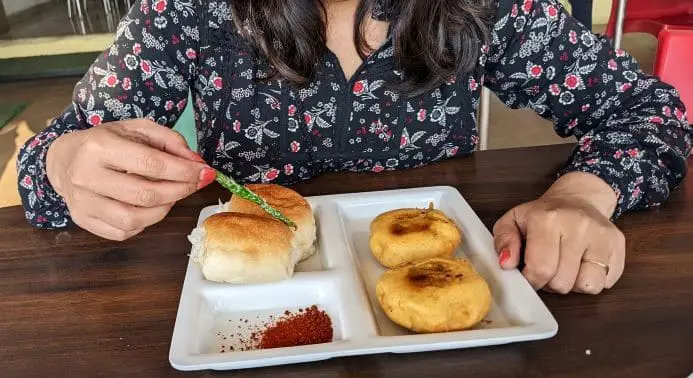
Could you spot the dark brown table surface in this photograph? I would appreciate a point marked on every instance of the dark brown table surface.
(74, 305)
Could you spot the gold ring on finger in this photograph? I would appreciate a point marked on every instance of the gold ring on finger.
(597, 263)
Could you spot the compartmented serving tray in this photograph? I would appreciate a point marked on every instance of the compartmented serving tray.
(340, 278)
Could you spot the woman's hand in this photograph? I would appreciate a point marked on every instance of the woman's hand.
(122, 177)
(570, 243)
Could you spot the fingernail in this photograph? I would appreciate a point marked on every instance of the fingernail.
(197, 157)
(207, 176)
(504, 256)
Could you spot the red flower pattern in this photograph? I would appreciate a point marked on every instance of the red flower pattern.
(527, 6)
(95, 119)
(27, 182)
(679, 114)
(272, 174)
(572, 81)
(535, 71)
(572, 36)
(555, 89)
(612, 65)
(111, 80)
(146, 67)
(421, 115)
(288, 169)
(656, 119)
(160, 6)
(182, 104)
(359, 87)
(218, 83)
(667, 111)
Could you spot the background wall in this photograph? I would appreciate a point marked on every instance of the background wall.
(15, 6)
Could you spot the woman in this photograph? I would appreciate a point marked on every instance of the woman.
(287, 90)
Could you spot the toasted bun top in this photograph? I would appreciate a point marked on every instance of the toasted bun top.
(290, 203)
(246, 233)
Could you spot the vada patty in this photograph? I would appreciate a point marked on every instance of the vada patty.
(434, 295)
(403, 236)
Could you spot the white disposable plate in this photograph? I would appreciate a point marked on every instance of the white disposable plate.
(340, 279)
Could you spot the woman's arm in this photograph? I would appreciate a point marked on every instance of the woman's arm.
(144, 74)
(631, 127)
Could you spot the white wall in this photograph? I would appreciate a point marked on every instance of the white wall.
(14, 6)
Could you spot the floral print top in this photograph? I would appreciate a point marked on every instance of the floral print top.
(631, 127)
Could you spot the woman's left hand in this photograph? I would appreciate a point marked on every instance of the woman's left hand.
(570, 242)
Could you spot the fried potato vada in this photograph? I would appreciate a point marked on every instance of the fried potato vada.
(403, 236)
(434, 295)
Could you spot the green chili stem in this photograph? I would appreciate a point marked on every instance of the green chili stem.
(243, 192)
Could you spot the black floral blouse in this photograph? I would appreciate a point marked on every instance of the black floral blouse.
(631, 128)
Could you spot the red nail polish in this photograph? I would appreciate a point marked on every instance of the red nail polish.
(504, 256)
(207, 176)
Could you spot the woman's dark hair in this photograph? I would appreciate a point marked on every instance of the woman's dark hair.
(433, 39)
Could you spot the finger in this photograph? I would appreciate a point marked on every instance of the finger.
(135, 190)
(541, 252)
(102, 229)
(570, 257)
(617, 260)
(128, 156)
(120, 215)
(591, 279)
(161, 138)
(508, 240)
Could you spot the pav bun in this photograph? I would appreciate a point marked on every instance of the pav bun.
(244, 248)
(290, 203)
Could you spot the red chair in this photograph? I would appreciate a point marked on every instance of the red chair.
(673, 62)
(651, 16)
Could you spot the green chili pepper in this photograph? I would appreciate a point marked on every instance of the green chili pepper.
(243, 192)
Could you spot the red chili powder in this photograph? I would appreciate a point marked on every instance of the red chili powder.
(311, 326)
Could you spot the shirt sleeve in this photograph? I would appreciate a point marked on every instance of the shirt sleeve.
(144, 74)
(631, 128)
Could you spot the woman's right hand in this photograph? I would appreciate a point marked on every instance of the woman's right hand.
(121, 177)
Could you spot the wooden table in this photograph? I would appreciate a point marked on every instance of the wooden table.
(74, 305)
